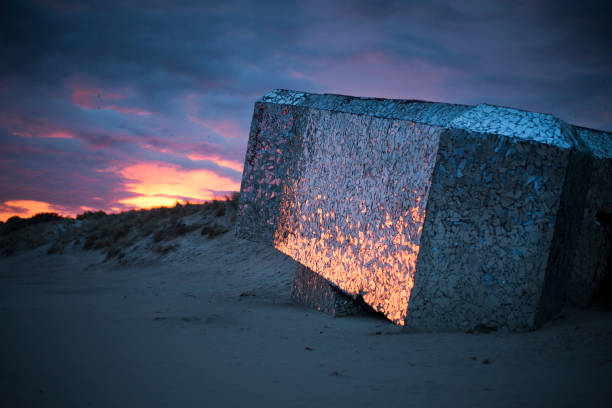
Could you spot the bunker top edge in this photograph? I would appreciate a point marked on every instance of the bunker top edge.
(516, 124)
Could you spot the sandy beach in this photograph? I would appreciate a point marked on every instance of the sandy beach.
(212, 324)
(445, 164)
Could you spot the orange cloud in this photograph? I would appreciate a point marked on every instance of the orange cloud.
(128, 111)
(91, 98)
(57, 134)
(163, 185)
(150, 201)
(28, 208)
(84, 208)
(96, 98)
(225, 127)
(27, 128)
(230, 164)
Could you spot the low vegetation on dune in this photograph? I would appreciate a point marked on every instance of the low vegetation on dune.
(114, 235)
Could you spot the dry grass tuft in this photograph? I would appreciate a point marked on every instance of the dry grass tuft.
(18, 233)
(214, 230)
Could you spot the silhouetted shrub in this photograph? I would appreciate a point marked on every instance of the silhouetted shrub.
(164, 249)
(172, 230)
(43, 217)
(233, 199)
(90, 241)
(13, 224)
(120, 232)
(88, 215)
(114, 252)
(16, 223)
(213, 206)
(213, 230)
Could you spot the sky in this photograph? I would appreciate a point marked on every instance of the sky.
(110, 105)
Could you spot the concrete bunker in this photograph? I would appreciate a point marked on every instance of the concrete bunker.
(603, 291)
(439, 216)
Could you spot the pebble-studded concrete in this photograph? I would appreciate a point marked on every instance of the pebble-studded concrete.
(353, 210)
(488, 231)
(440, 216)
(313, 290)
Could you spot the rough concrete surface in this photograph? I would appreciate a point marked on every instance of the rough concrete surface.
(442, 217)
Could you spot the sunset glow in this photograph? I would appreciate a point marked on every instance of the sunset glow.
(159, 184)
(230, 164)
(151, 201)
(28, 208)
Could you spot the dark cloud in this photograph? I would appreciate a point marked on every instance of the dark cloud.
(174, 82)
(55, 171)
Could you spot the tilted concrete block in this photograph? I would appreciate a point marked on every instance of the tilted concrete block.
(439, 216)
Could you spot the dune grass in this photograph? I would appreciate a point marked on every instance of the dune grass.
(112, 234)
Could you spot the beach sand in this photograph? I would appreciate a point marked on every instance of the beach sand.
(213, 325)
